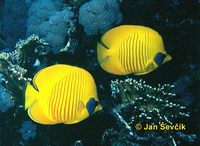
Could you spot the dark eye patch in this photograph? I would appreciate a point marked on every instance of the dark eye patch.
(91, 105)
(159, 58)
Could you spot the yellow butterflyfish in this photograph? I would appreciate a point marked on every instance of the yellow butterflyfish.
(131, 49)
(61, 94)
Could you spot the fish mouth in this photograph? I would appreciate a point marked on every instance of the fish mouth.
(99, 107)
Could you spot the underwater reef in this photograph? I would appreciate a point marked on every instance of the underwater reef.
(35, 34)
(5, 97)
(49, 21)
(16, 14)
(28, 130)
(92, 13)
(142, 104)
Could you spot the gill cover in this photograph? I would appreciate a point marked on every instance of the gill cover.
(108, 59)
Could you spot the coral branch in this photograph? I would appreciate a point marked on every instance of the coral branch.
(140, 103)
(14, 65)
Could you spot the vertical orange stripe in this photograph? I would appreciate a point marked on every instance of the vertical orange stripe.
(83, 94)
(68, 97)
(78, 93)
(63, 99)
(135, 55)
(82, 86)
(73, 96)
(65, 109)
(129, 53)
(132, 52)
(53, 102)
(57, 101)
(60, 100)
(121, 54)
(124, 54)
(143, 54)
(76, 80)
(146, 49)
(50, 101)
(140, 52)
(148, 46)
(137, 52)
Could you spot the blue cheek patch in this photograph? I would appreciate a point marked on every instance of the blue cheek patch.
(159, 58)
(91, 105)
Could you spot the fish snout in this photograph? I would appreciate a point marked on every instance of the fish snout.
(167, 58)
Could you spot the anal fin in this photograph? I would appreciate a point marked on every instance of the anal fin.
(149, 68)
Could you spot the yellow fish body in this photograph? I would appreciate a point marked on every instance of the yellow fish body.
(61, 94)
(131, 49)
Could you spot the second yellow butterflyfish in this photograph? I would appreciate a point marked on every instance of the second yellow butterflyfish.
(131, 49)
(61, 94)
